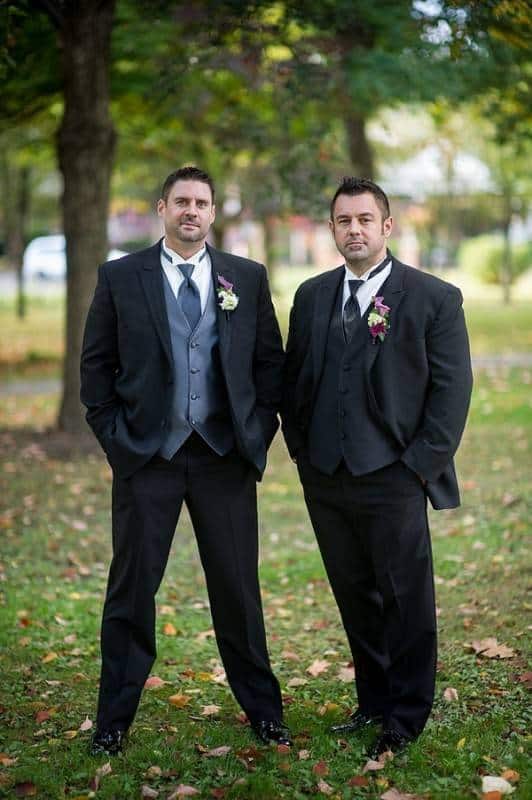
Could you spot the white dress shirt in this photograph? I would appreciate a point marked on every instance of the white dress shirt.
(368, 289)
(201, 274)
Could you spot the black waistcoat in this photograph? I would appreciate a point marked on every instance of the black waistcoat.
(342, 425)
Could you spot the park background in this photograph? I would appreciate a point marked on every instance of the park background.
(278, 100)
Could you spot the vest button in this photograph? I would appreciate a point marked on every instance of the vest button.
(194, 396)
(194, 370)
(193, 344)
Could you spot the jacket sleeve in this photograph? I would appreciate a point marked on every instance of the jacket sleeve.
(100, 361)
(267, 362)
(297, 347)
(448, 394)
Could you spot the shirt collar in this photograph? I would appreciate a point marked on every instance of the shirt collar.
(172, 257)
(349, 276)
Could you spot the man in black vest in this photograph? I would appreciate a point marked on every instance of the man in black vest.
(377, 388)
(181, 375)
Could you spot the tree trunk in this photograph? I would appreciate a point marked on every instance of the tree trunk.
(86, 140)
(360, 151)
(15, 182)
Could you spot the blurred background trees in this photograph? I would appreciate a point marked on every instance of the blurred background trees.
(102, 98)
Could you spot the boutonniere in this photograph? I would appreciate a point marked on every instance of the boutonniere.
(228, 300)
(378, 322)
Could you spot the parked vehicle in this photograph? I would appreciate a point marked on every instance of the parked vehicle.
(45, 259)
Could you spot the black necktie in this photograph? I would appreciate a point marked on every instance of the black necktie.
(351, 316)
(188, 296)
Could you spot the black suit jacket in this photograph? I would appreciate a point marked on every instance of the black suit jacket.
(127, 366)
(418, 380)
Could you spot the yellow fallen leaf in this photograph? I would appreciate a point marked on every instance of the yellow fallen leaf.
(204, 676)
(169, 629)
(49, 657)
(461, 743)
(510, 775)
(70, 734)
(179, 700)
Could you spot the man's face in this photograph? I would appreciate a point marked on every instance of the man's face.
(188, 212)
(359, 231)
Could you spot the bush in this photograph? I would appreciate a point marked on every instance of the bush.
(482, 257)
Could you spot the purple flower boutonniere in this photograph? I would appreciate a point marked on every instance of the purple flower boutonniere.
(378, 322)
(227, 299)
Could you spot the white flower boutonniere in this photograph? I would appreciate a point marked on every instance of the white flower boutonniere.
(228, 300)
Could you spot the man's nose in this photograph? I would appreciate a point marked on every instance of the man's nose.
(354, 226)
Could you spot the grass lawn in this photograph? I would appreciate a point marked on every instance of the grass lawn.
(56, 545)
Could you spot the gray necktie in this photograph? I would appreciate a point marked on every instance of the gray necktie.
(188, 296)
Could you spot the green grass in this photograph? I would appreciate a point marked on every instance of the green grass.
(55, 534)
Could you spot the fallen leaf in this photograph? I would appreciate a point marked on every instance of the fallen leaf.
(461, 743)
(204, 676)
(395, 794)
(492, 783)
(510, 775)
(358, 780)
(526, 678)
(182, 791)
(327, 707)
(490, 648)
(42, 716)
(346, 674)
(372, 766)
(450, 694)
(25, 789)
(318, 667)
(294, 682)
(204, 635)
(283, 749)
(147, 793)
(303, 755)
(154, 682)
(290, 656)
(153, 772)
(100, 773)
(6, 760)
(324, 788)
(217, 752)
(70, 734)
(169, 629)
(86, 725)
(49, 657)
(320, 768)
(179, 700)
(210, 711)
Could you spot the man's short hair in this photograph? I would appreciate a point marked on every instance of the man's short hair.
(353, 186)
(186, 174)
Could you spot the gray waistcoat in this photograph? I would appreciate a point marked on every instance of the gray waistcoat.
(200, 398)
(342, 425)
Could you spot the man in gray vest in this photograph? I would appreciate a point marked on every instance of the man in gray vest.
(181, 374)
(377, 388)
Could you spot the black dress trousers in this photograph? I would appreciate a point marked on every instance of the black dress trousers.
(220, 493)
(374, 539)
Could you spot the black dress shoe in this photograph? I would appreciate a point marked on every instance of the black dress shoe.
(107, 742)
(272, 732)
(388, 740)
(357, 721)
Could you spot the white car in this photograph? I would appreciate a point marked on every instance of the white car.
(44, 258)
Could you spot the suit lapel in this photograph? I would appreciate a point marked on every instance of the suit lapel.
(393, 293)
(220, 266)
(151, 277)
(324, 301)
